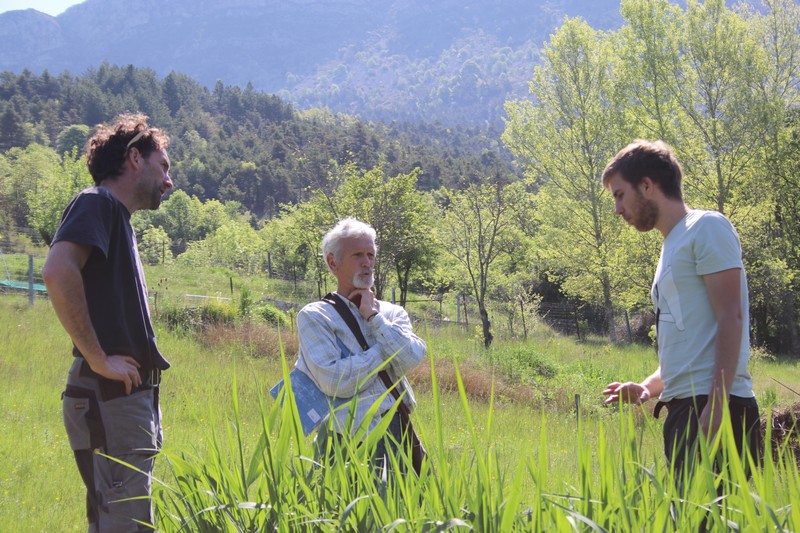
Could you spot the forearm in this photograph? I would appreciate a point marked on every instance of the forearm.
(66, 291)
(726, 358)
(653, 384)
(335, 373)
(398, 342)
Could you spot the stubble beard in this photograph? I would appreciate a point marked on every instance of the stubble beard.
(646, 214)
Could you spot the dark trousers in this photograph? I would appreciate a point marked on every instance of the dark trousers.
(390, 444)
(681, 429)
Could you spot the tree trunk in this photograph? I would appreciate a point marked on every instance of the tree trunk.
(487, 333)
(607, 303)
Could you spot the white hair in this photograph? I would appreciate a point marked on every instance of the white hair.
(345, 229)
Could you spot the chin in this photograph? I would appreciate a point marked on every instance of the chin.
(359, 283)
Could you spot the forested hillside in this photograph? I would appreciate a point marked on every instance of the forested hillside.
(233, 143)
(455, 61)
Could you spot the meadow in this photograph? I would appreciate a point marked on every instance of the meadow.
(518, 438)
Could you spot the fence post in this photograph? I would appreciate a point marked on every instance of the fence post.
(30, 280)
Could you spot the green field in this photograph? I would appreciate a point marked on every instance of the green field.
(510, 452)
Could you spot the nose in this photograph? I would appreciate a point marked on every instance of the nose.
(168, 182)
(618, 207)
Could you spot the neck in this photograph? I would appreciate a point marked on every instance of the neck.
(118, 191)
(670, 213)
(343, 289)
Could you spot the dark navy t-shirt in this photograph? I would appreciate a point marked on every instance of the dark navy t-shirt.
(116, 292)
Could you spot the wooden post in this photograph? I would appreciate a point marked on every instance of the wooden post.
(30, 280)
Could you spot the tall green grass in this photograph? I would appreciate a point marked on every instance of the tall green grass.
(621, 484)
(233, 457)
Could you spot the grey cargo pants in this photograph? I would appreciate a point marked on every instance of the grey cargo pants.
(128, 428)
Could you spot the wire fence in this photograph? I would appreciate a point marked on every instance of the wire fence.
(21, 261)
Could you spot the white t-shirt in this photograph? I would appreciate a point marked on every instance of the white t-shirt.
(703, 242)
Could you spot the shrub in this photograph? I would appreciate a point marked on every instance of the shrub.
(272, 315)
(198, 318)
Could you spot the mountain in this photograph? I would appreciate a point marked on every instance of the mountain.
(453, 61)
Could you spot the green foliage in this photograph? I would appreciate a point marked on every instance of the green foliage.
(229, 144)
(272, 315)
(154, 247)
(71, 138)
(710, 80)
(245, 302)
(189, 319)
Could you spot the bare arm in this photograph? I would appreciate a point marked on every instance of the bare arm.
(636, 393)
(724, 292)
(62, 275)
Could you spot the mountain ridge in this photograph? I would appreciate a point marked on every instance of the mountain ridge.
(421, 58)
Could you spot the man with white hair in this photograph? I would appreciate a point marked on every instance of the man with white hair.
(333, 357)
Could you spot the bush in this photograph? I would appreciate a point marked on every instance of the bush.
(199, 318)
(522, 364)
(272, 315)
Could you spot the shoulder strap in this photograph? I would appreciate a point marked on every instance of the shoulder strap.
(347, 316)
(350, 320)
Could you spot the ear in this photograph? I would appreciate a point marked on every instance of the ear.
(134, 158)
(331, 262)
(647, 186)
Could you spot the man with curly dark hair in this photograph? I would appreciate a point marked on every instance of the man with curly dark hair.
(96, 285)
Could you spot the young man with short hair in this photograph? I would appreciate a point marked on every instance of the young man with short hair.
(700, 296)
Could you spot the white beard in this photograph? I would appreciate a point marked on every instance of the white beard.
(359, 283)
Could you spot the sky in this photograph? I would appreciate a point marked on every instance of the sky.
(51, 7)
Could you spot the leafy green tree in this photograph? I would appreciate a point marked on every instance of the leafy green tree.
(154, 247)
(54, 190)
(14, 131)
(74, 136)
(770, 232)
(29, 169)
(235, 244)
(564, 138)
(476, 228)
(402, 218)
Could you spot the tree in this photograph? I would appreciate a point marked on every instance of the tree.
(772, 246)
(154, 247)
(14, 132)
(74, 136)
(54, 190)
(477, 227)
(401, 216)
(564, 138)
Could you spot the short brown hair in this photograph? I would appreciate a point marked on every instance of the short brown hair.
(107, 148)
(652, 159)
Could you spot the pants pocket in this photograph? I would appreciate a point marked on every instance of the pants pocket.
(124, 492)
(82, 418)
(131, 424)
